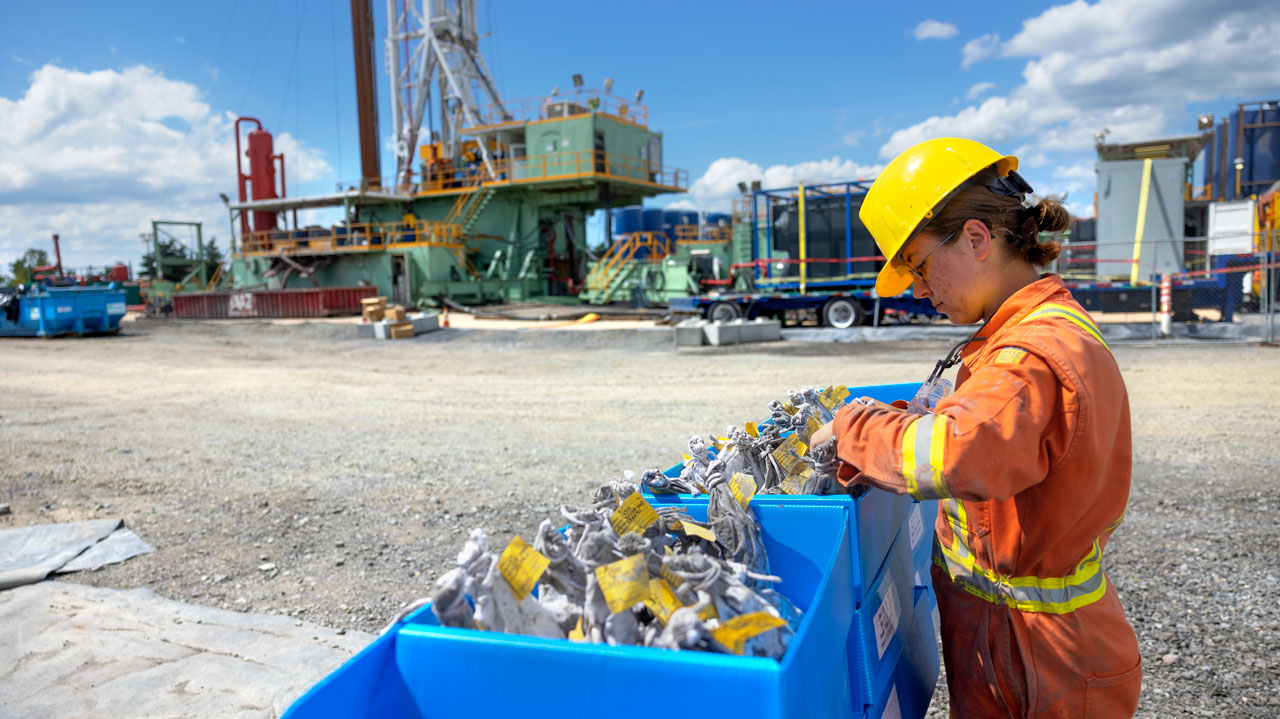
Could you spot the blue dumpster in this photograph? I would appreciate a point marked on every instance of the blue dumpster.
(52, 311)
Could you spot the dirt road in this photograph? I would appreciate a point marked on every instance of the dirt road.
(293, 469)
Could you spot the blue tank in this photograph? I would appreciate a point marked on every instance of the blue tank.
(653, 219)
(1259, 147)
(627, 220)
(719, 218)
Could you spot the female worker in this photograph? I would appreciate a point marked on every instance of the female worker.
(1030, 457)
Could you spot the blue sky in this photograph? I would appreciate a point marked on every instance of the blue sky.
(118, 113)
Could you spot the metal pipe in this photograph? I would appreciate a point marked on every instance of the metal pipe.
(57, 253)
(1208, 158)
(366, 94)
(1239, 147)
(1222, 162)
(803, 253)
(848, 228)
(241, 178)
(284, 191)
(1143, 194)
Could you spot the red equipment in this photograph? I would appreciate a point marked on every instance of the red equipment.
(262, 176)
(51, 271)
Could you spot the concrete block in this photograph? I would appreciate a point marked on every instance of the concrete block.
(689, 333)
(423, 323)
(747, 331)
(382, 330)
(721, 333)
(364, 331)
(767, 330)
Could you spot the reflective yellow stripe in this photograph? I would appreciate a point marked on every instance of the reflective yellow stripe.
(937, 448)
(923, 449)
(1053, 595)
(909, 459)
(1080, 320)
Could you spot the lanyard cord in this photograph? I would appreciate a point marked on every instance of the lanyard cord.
(952, 359)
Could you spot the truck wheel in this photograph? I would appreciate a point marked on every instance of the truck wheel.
(723, 312)
(842, 313)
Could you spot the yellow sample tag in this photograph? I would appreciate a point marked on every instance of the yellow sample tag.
(735, 632)
(662, 601)
(813, 425)
(790, 408)
(1010, 355)
(576, 632)
(708, 612)
(833, 397)
(686, 456)
(743, 488)
(625, 582)
(752, 429)
(699, 531)
(521, 565)
(789, 453)
(633, 515)
(794, 484)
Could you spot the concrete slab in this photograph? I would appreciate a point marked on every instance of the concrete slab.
(77, 651)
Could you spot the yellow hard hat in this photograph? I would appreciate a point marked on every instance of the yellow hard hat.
(912, 188)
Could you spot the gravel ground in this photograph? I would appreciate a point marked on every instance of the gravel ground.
(291, 469)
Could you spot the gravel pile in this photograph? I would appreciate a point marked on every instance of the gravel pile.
(290, 469)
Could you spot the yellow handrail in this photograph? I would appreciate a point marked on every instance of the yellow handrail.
(355, 237)
(603, 274)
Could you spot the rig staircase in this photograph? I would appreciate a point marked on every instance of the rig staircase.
(610, 278)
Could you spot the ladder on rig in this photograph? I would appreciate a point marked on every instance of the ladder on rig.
(608, 280)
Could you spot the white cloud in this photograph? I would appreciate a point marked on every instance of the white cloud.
(1131, 66)
(979, 48)
(95, 156)
(934, 30)
(853, 138)
(716, 188)
(978, 89)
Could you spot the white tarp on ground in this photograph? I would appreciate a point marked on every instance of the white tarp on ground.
(71, 650)
(29, 554)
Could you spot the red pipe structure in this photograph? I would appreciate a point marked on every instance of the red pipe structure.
(261, 176)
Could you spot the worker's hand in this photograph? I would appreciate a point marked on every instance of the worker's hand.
(868, 402)
(824, 433)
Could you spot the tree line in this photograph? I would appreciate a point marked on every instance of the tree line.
(179, 261)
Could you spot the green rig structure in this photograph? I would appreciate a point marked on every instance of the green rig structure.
(502, 221)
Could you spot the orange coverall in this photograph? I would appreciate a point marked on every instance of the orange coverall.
(1030, 458)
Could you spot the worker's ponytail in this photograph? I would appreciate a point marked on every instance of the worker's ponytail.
(1018, 226)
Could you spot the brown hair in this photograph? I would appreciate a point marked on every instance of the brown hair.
(1017, 226)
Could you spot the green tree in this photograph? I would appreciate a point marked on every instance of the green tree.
(21, 268)
(180, 260)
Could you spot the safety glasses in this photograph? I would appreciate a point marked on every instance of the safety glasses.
(918, 270)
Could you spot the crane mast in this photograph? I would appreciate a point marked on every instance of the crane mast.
(435, 42)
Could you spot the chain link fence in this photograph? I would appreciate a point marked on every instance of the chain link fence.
(1176, 288)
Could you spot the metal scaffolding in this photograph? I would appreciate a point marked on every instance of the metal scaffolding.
(435, 40)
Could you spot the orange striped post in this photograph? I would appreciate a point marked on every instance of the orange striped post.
(1166, 305)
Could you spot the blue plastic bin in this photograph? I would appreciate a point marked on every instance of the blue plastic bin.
(878, 633)
(874, 517)
(421, 669)
(922, 518)
(920, 663)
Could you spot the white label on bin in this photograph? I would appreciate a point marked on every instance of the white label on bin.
(115, 308)
(891, 708)
(64, 309)
(35, 313)
(916, 526)
(886, 619)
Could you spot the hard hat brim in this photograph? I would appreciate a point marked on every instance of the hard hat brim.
(893, 280)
